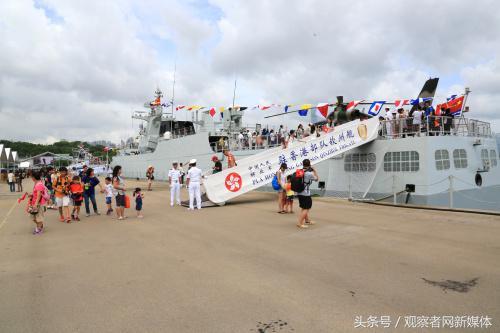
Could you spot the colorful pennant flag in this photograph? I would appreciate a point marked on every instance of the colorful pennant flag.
(322, 109)
(353, 104)
(287, 107)
(194, 107)
(452, 97)
(375, 108)
(179, 107)
(399, 103)
(420, 100)
(264, 107)
(212, 112)
(303, 109)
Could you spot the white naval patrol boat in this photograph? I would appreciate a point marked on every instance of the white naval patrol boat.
(452, 166)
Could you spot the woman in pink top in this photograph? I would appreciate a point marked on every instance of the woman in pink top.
(37, 202)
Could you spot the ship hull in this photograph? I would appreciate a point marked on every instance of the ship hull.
(375, 179)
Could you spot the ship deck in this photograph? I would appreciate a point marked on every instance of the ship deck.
(244, 268)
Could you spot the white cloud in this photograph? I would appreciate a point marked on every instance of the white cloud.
(80, 77)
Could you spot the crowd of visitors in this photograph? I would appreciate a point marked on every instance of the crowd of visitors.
(266, 138)
(424, 118)
(67, 190)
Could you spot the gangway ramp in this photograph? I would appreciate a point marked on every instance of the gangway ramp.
(258, 170)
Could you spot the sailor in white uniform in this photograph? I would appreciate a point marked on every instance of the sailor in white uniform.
(194, 177)
(174, 179)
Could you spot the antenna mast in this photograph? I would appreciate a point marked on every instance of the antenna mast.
(234, 91)
(173, 88)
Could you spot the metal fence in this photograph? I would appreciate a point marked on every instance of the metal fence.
(433, 126)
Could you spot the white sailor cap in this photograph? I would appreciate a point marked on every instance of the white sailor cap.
(193, 161)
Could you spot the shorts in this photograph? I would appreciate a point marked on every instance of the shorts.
(108, 200)
(305, 201)
(39, 217)
(289, 198)
(120, 200)
(62, 202)
(77, 203)
(138, 206)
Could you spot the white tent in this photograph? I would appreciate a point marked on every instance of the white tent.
(9, 155)
(3, 154)
(8, 151)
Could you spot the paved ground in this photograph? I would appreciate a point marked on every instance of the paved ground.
(239, 267)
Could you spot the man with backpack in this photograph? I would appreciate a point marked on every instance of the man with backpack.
(301, 182)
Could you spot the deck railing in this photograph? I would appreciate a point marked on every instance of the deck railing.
(433, 126)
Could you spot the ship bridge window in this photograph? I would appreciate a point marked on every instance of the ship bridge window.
(493, 158)
(401, 161)
(360, 162)
(460, 158)
(484, 157)
(442, 158)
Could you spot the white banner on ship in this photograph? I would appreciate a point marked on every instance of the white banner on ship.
(258, 170)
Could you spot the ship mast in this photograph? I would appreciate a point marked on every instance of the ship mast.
(173, 89)
(232, 108)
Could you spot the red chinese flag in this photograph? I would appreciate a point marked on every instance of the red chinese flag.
(455, 105)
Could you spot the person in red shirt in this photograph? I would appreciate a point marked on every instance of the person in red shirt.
(231, 162)
(37, 202)
(76, 190)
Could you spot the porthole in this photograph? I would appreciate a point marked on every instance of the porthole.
(479, 179)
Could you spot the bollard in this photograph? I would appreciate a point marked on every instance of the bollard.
(395, 199)
(451, 190)
(350, 188)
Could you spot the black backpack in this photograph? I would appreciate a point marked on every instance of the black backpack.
(298, 181)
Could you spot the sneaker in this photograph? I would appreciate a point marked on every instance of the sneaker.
(97, 213)
(87, 215)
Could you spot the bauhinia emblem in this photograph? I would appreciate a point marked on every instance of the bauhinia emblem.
(233, 182)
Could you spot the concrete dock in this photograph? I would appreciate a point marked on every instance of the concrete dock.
(245, 268)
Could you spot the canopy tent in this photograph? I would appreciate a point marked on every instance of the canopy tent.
(9, 155)
(3, 154)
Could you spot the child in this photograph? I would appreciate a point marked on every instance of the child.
(108, 189)
(289, 194)
(37, 201)
(76, 190)
(138, 201)
(61, 188)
